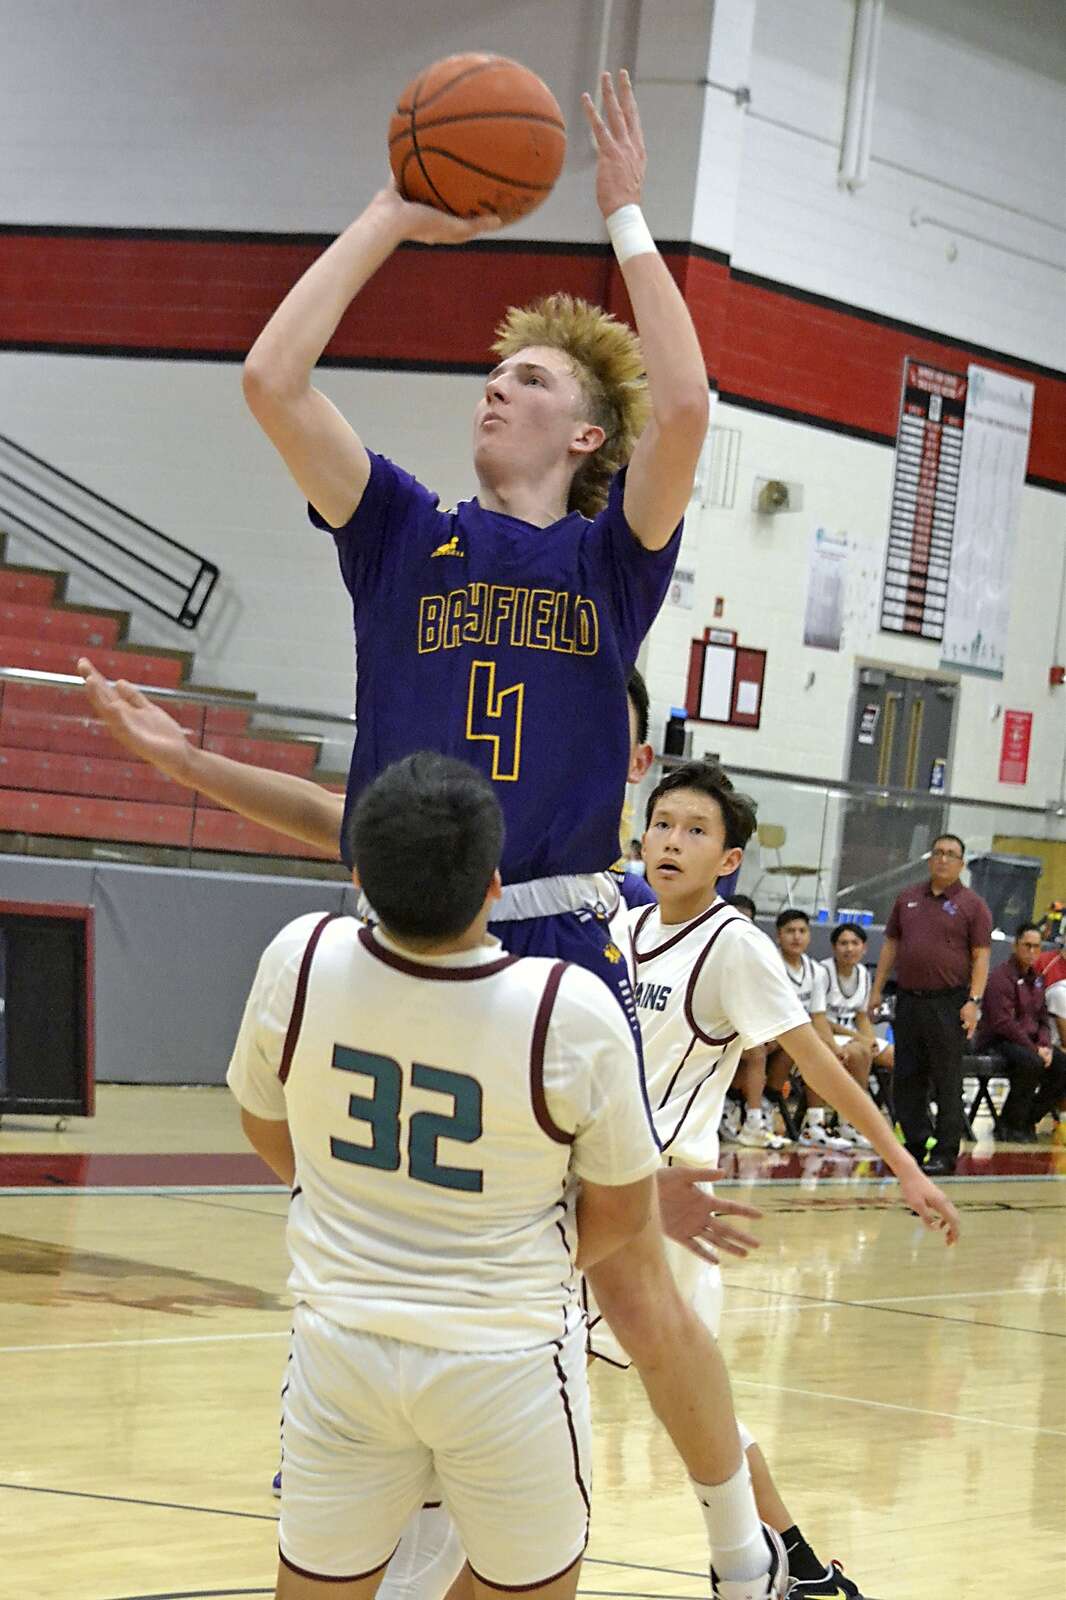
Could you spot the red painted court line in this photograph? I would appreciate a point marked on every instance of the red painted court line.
(238, 1169)
(132, 1171)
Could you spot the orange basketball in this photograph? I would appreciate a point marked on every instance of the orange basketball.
(476, 133)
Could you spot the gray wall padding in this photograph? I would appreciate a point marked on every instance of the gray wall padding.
(176, 952)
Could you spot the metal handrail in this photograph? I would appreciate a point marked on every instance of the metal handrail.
(881, 880)
(842, 786)
(847, 787)
(199, 697)
(193, 594)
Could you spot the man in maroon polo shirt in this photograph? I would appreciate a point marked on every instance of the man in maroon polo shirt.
(939, 938)
(1014, 1020)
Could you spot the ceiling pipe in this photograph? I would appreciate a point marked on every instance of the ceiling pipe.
(862, 89)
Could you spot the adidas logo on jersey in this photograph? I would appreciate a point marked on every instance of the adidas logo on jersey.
(450, 547)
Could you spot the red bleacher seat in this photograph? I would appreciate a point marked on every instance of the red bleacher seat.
(225, 719)
(283, 755)
(51, 771)
(163, 672)
(83, 628)
(27, 587)
(223, 830)
(62, 774)
(44, 730)
(75, 817)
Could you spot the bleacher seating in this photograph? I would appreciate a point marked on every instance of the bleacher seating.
(61, 773)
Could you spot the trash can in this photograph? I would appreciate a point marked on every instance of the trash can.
(1008, 884)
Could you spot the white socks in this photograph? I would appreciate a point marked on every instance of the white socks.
(738, 1549)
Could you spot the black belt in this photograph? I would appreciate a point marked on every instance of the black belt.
(934, 994)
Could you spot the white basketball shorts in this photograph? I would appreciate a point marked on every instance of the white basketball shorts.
(700, 1283)
(368, 1421)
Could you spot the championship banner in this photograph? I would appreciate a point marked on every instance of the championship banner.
(999, 416)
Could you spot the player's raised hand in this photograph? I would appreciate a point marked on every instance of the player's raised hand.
(931, 1205)
(426, 225)
(622, 159)
(692, 1216)
(140, 727)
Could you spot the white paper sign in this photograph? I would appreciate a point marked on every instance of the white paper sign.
(747, 698)
(682, 591)
(716, 700)
(823, 620)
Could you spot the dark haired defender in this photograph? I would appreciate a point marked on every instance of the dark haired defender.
(709, 984)
(379, 992)
(433, 1102)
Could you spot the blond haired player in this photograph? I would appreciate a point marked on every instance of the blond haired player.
(503, 631)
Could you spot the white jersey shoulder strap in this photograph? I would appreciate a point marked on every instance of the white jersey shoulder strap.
(299, 999)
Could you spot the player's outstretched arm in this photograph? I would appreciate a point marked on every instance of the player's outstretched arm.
(293, 806)
(822, 1070)
(321, 449)
(663, 465)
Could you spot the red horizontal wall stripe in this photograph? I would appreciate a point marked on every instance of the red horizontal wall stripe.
(187, 295)
(762, 343)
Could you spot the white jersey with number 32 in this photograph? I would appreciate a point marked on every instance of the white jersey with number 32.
(439, 1110)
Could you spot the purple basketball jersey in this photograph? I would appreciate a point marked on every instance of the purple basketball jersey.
(507, 646)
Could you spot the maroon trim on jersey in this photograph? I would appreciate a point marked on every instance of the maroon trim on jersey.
(536, 1056)
(598, 1355)
(668, 1091)
(573, 1441)
(523, 1588)
(327, 1577)
(712, 911)
(697, 968)
(299, 1000)
(693, 1097)
(423, 969)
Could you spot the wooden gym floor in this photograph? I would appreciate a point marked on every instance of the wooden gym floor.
(911, 1400)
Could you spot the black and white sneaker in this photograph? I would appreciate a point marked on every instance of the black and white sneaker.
(832, 1586)
(773, 1585)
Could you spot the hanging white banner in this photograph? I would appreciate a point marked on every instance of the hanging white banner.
(995, 452)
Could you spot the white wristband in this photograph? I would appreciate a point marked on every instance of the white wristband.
(629, 233)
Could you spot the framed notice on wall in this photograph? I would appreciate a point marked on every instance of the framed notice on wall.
(725, 680)
(924, 493)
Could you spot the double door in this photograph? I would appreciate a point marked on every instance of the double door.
(900, 739)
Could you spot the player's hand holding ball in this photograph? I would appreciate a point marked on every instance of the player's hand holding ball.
(425, 225)
(476, 141)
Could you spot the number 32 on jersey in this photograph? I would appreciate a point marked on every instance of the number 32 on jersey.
(494, 714)
(380, 1110)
